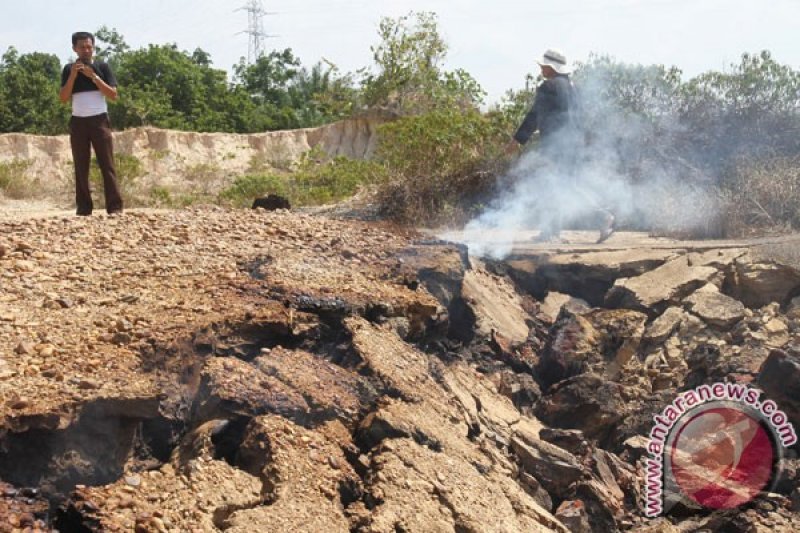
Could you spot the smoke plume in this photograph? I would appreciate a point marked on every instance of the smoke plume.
(624, 164)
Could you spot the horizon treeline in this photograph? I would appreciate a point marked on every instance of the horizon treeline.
(163, 86)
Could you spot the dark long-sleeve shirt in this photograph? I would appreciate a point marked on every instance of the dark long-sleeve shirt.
(550, 111)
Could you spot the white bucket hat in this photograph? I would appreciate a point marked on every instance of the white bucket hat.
(556, 60)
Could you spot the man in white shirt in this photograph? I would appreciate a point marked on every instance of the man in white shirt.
(87, 84)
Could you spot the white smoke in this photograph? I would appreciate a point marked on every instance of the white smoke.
(622, 167)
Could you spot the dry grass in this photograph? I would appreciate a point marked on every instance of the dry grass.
(14, 181)
(762, 196)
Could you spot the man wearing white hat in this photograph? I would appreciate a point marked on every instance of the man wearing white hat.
(554, 99)
(560, 138)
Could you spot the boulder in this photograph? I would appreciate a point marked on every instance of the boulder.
(715, 308)
(495, 304)
(664, 325)
(759, 283)
(572, 348)
(655, 290)
(586, 402)
(271, 202)
(572, 514)
(621, 332)
(231, 388)
(439, 266)
(779, 378)
(586, 275)
(551, 306)
(555, 468)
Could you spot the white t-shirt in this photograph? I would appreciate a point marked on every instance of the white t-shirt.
(88, 104)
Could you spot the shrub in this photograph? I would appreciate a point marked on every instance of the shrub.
(316, 182)
(13, 181)
(762, 195)
(248, 187)
(160, 197)
(440, 164)
(317, 179)
(128, 168)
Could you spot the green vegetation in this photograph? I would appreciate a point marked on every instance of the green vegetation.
(128, 168)
(245, 188)
(440, 164)
(13, 181)
(313, 182)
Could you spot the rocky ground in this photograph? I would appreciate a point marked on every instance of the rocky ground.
(208, 370)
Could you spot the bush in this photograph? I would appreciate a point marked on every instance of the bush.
(13, 181)
(128, 168)
(248, 187)
(440, 164)
(762, 195)
(316, 183)
(315, 180)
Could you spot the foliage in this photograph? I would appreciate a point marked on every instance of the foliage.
(165, 87)
(754, 110)
(13, 181)
(648, 91)
(762, 194)
(409, 76)
(286, 95)
(128, 169)
(29, 86)
(440, 163)
(317, 182)
(109, 45)
(251, 186)
(317, 179)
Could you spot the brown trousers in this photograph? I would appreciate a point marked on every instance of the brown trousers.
(84, 133)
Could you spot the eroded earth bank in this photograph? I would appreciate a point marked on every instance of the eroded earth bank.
(210, 370)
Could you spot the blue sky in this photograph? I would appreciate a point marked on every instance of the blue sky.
(497, 42)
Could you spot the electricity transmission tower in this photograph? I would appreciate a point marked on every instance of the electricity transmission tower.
(255, 29)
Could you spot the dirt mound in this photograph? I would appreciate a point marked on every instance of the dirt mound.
(180, 161)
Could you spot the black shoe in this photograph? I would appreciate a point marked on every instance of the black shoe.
(84, 213)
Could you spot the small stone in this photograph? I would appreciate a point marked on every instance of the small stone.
(126, 502)
(121, 338)
(47, 350)
(24, 266)
(334, 462)
(24, 348)
(26, 520)
(87, 384)
(21, 403)
(133, 481)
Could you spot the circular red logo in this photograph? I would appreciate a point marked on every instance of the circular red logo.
(722, 457)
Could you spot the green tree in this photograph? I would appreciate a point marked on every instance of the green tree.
(752, 109)
(287, 95)
(109, 45)
(163, 86)
(409, 75)
(29, 86)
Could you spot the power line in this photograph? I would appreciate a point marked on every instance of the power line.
(255, 29)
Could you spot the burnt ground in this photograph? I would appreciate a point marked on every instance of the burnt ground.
(209, 370)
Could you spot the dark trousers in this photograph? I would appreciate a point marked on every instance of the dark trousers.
(84, 133)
